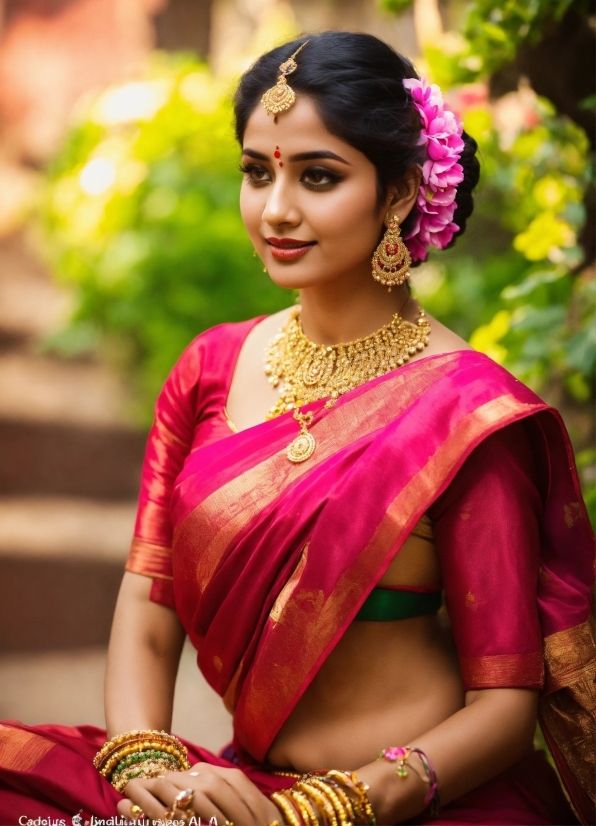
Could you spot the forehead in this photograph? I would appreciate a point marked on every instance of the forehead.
(299, 129)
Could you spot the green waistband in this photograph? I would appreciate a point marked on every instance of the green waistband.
(387, 604)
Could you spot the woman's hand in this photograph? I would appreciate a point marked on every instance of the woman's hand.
(226, 794)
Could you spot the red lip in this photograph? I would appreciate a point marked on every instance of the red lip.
(288, 242)
(290, 253)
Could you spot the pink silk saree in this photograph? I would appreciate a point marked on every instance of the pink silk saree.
(234, 536)
(248, 528)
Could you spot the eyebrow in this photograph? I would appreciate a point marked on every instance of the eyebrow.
(301, 156)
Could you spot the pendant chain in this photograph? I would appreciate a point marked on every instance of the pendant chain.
(311, 372)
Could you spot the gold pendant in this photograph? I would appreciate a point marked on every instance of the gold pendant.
(302, 448)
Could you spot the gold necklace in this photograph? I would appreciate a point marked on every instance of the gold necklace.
(316, 371)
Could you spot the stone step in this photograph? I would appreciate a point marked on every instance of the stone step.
(54, 527)
(31, 303)
(56, 459)
(73, 694)
(61, 564)
(40, 388)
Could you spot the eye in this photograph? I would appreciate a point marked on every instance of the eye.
(319, 178)
(255, 173)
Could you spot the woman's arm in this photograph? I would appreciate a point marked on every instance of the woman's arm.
(489, 556)
(145, 647)
(147, 637)
(492, 731)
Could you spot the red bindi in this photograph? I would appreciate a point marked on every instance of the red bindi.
(277, 154)
(281, 163)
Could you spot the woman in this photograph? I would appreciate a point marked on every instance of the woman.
(300, 522)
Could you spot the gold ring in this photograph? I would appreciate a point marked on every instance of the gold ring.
(136, 810)
(183, 800)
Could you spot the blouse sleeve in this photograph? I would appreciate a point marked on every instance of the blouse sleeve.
(487, 532)
(168, 445)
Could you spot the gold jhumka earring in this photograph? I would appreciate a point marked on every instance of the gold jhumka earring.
(391, 260)
(281, 96)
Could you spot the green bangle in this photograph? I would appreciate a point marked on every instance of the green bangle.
(141, 757)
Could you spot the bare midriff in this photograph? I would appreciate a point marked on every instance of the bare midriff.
(384, 684)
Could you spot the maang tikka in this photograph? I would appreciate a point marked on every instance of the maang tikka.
(391, 260)
(281, 96)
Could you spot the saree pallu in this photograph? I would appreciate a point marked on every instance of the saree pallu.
(271, 561)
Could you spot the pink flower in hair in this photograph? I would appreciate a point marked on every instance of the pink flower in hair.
(441, 135)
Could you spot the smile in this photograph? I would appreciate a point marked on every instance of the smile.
(287, 249)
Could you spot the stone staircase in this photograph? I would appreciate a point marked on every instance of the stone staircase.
(69, 472)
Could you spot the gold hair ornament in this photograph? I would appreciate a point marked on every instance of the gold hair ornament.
(281, 97)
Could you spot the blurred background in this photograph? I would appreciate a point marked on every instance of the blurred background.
(121, 239)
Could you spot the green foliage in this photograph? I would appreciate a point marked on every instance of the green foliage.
(394, 6)
(142, 219)
(492, 33)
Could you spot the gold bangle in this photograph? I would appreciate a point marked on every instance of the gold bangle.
(130, 742)
(149, 768)
(305, 807)
(344, 798)
(115, 758)
(286, 808)
(338, 807)
(362, 804)
(320, 800)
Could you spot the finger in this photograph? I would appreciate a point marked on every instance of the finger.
(255, 803)
(202, 803)
(227, 790)
(203, 808)
(153, 796)
(131, 811)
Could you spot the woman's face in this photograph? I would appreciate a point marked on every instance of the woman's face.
(308, 199)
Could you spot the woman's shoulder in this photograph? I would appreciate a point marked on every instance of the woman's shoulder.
(442, 340)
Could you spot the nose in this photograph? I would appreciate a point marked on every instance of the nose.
(280, 207)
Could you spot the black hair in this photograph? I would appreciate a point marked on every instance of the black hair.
(355, 81)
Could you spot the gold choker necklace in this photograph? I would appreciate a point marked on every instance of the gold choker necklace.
(316, 371)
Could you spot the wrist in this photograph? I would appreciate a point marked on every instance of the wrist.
(395, 798)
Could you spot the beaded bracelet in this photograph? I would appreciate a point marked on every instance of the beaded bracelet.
(400, 754)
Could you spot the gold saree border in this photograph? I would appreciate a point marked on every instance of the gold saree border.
(228, 509)
(568, 713)
(570, 655)
(502, 671)
(309, 622)
(149, 560)
(21, 751)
